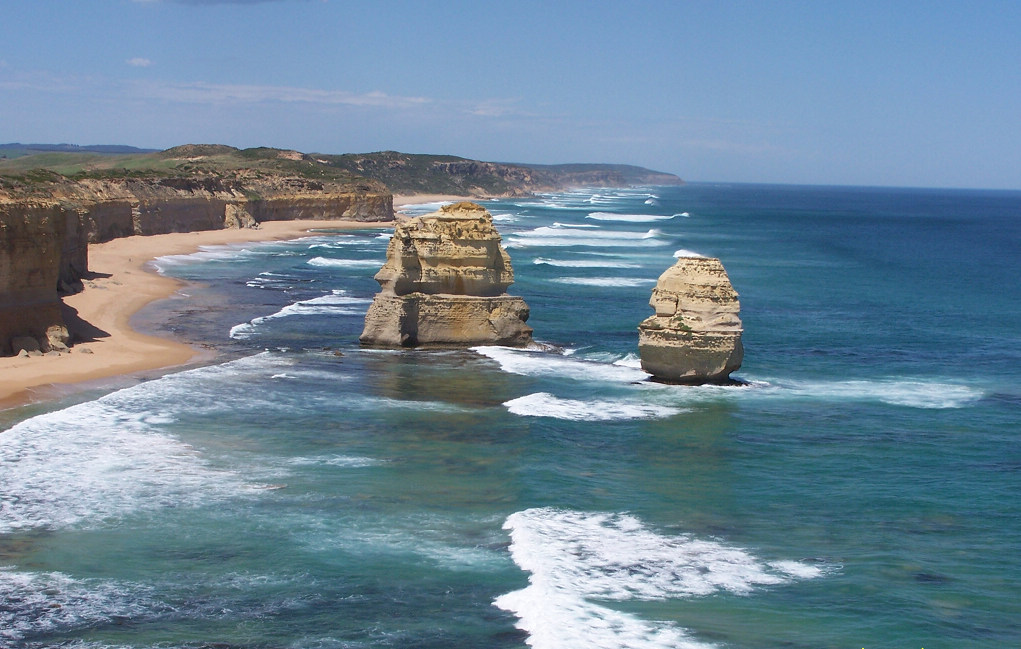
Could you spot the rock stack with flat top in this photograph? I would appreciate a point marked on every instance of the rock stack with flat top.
(445, 283)
(695, 335)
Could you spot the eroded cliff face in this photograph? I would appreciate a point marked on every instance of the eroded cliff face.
(32, 242)
(44, 235)
(444, 283)
(695, 334)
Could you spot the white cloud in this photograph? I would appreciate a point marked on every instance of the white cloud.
(494, 108)
(139, 62)
(212, 93)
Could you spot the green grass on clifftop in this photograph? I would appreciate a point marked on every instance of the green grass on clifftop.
(401, 173)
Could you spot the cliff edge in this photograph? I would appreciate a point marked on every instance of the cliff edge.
(48, 218)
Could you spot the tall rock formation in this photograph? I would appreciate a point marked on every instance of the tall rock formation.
(444, 283)
(695, 335)
(33, 238)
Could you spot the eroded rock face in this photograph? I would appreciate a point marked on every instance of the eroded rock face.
(32, 241)
(44, 238)
(695, 335)
(444, 283)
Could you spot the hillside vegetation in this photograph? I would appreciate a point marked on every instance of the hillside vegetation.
(39, 170)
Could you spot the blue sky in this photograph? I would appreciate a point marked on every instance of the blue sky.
(818, 92)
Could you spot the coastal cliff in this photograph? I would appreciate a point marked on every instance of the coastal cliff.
(32, 245)
(48, 219)
(695, 335)
(406, 173)
(444, 283)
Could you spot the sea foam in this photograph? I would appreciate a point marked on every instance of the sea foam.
(334, 303)
(583, 263)
(102, 459)
(912, 393)
(561, 236)
(543, 404)
(539, 363)
(578, 558)
(609, 282)
(329, 262)
(687, 253)
(629, 218)
(39, 602)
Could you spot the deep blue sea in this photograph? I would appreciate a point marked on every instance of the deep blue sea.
(862, 490)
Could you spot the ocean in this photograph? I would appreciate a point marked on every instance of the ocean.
(862, 489)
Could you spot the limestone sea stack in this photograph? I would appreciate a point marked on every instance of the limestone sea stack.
(445, 283)
(695, 335)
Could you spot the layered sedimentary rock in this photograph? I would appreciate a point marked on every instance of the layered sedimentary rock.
(32, 241)
(695, 335)
(444, 283)
(45, 232)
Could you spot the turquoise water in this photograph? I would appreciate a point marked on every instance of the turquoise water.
(861, 491)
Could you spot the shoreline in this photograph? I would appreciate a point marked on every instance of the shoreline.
(122, 282)
(402, 200)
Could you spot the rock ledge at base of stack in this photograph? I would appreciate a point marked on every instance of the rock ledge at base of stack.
(444, 283)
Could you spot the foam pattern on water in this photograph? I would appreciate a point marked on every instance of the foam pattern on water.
(563, 236)
(606, 282)
(543, 404)
(105, 458)
(42, 602)
(334, 304)
(629, 218)
(584, 263)
(575, 557)
(538, 363)
(329, 262)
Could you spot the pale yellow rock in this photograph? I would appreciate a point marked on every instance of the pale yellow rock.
(444, 283)
(695, 335)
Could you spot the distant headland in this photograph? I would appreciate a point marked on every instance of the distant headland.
(25, 166)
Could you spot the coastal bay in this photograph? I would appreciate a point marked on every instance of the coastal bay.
(123, 282)
(303, 490)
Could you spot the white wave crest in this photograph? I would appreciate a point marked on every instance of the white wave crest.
(41, 602)
(416, 209)
(100, 459)
(574, 225)
(335, 303)
(605, 281)
(564, 237)
(584, 263)
(687, 253)
(897, 392)
(226, 252)
(328, 262)
(537, 363)
(576, 557)
(338, 241)
(346, 461)
(629, 218)
(543, 404)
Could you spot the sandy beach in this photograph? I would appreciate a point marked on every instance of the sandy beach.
(123, 282)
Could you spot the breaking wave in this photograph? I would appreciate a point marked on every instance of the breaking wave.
(543, 404)
(335, 303)
(576, 559)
